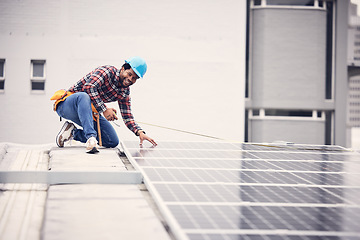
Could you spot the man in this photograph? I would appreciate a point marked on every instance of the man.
(104, 84)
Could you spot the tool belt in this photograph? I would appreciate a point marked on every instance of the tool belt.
(61, 95)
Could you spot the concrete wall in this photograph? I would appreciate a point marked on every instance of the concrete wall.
(288, 59)
(195, 52)
(296, 131)
(341, 73)
(288, 72)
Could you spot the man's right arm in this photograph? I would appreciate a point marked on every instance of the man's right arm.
(91, 86)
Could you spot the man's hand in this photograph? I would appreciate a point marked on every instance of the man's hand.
(110, 114)
(143, 137)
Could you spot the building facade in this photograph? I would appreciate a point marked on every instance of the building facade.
(195, 63)
(289, 56)
(297, 75)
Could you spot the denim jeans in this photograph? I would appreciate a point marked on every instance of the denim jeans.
(77, 108)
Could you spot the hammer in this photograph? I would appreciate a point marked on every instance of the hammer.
(98, 128)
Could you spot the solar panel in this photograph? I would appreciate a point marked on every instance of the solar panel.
(211, 190)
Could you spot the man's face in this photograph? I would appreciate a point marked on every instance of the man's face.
(127, 77)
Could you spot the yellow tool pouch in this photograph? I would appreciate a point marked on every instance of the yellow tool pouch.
(60, 96)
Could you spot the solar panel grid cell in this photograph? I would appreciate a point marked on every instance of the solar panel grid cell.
(300, 156)
(265, 217)
(236, 176)
(262, 237)
(268, 194)
(288, 165)
(240, 146)
(254, 191)
(237, 154)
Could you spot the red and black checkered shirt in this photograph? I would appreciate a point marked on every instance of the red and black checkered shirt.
(103, 85)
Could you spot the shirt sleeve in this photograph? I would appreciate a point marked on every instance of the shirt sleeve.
(93, 83)
(128, 118)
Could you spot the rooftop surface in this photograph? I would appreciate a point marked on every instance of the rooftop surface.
(180, 190)
(72, 211)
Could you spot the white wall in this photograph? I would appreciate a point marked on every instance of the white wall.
(355, 138)
(195, 52)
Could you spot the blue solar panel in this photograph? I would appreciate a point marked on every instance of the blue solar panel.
(209, 190)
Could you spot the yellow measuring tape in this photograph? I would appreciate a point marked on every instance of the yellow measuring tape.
(183, 131)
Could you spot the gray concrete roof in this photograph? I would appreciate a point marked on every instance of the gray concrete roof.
(73, 211)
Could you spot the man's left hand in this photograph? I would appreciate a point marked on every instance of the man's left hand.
(143, 137)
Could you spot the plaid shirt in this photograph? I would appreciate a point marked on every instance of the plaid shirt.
(103, 85)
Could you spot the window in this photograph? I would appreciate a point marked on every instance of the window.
(329, 51)
(329, 127)
(246, 132)
(293, 2)
(288, 113)
(38, 75)
(247, 62)
(289, 3)
(2, 74)
(256, 112)
(257, 2)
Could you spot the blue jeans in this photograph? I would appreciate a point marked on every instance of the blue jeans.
(77, 108)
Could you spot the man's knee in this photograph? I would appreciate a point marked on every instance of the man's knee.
(83, 96)
(112, 143)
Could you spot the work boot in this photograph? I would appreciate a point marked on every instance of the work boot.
(91, 145)
(65, 133)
